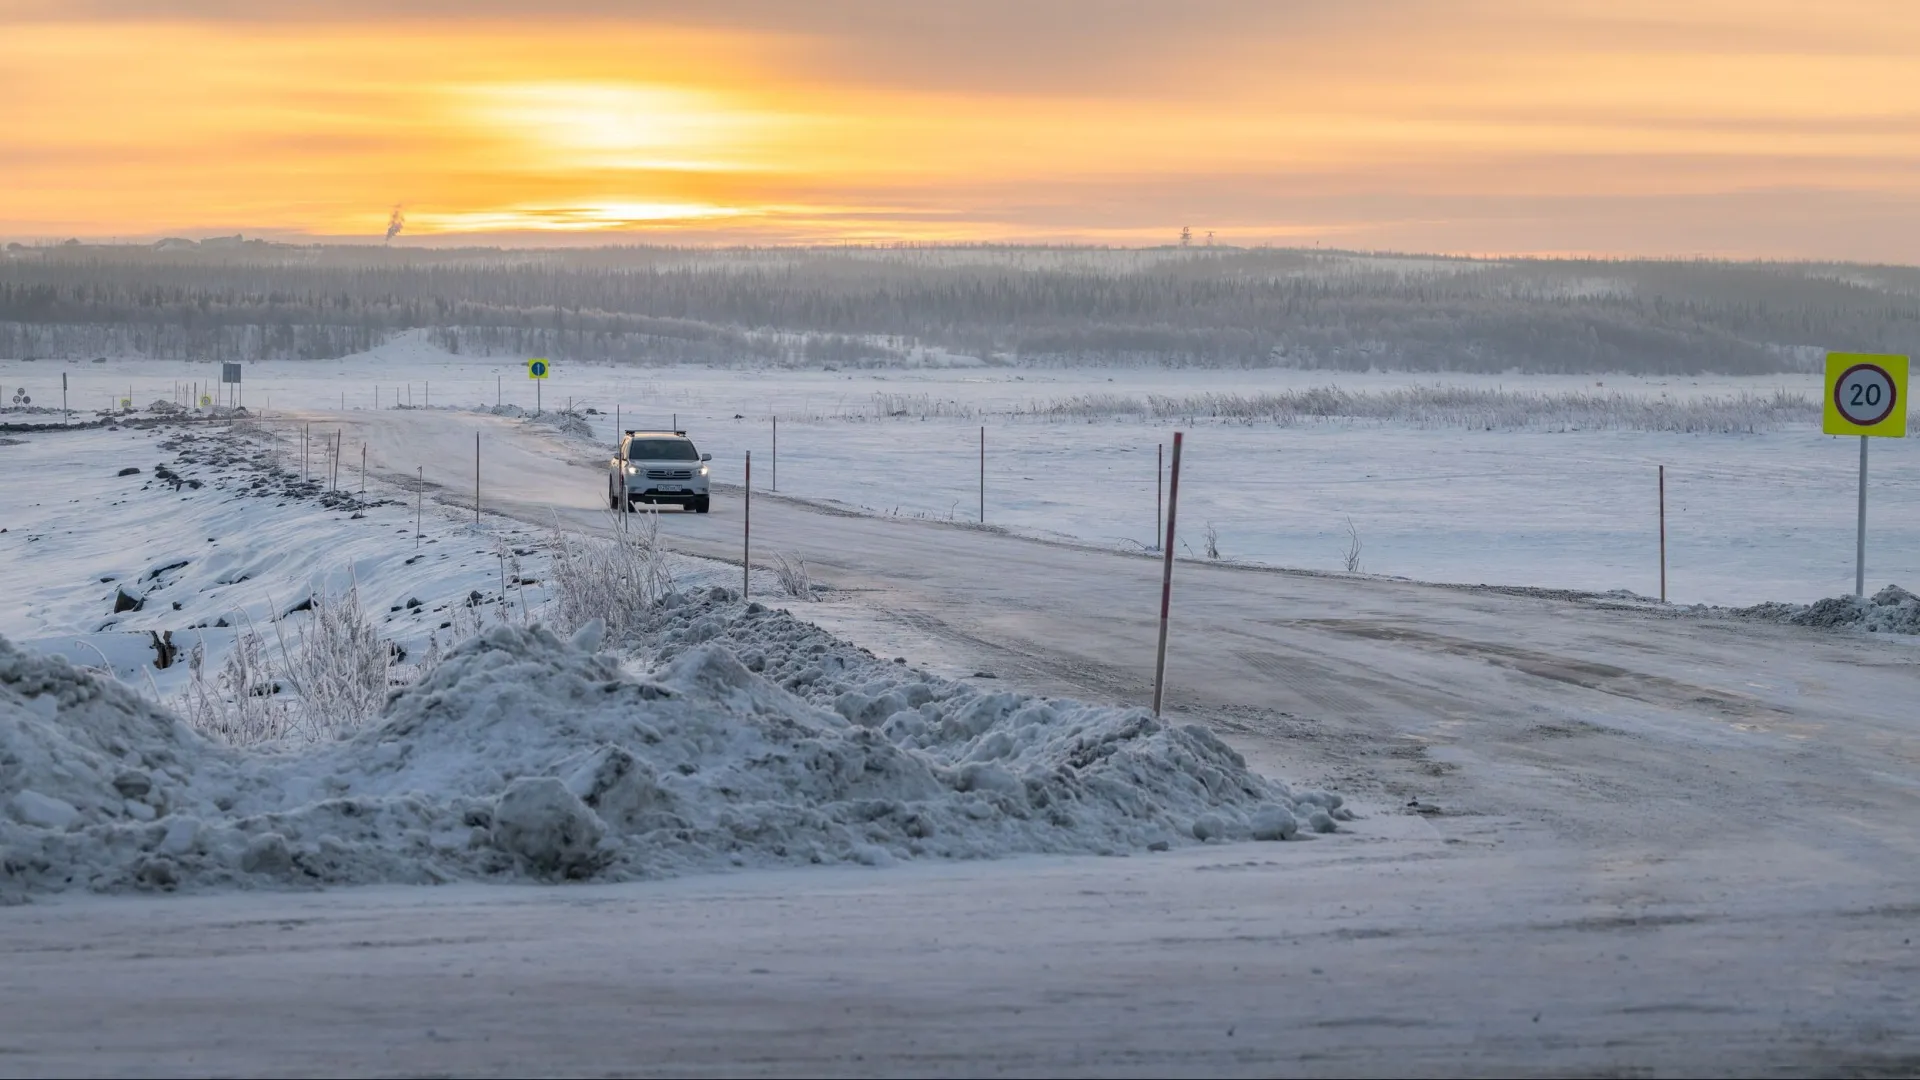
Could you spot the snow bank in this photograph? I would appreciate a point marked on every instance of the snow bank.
(566, 423)
(1892, 610)
(755, 740)
(562, 421)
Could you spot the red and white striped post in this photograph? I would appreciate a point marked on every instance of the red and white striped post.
(746, 533)
(1166, 577)
(1663, 534)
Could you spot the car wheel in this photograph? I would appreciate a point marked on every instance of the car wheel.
(700, 505)
(613, 497)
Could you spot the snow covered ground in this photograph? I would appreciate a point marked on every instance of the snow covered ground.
(1591, 836)
(213, 530)
(1750, 517)
(741, 737)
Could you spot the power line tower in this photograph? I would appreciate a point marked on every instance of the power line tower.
(1186, 236)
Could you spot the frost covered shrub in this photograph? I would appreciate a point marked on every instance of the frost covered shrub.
(330, 678)
(1456, 407)
(614, 581)
(793, 577)
(339, 665)
(238, 706)
(920, 406)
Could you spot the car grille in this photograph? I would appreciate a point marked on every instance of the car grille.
(669, 474)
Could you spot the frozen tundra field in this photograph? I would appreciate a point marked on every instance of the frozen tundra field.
(1750, 517)
(1590, 837)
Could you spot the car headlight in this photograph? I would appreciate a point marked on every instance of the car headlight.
(633, 468)
(703, 470)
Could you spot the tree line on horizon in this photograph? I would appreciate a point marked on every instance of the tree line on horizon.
(852, 307)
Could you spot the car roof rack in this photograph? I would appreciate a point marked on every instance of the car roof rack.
(637, 431)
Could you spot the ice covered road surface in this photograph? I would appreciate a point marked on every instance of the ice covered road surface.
(1397, 955)
(1641, 844)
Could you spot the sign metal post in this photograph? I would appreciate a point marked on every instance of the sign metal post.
(1866, 396)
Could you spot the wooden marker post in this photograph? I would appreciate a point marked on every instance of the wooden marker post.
(746, 533)
(1166, 579)
(1663, 534)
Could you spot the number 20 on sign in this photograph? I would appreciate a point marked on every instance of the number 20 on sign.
(1866, 395)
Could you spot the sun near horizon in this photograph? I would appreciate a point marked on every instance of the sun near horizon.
(1758, 129)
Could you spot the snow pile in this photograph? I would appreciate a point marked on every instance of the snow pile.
(757, 740)
(560, 420)
(565, 423)
(1892, 610)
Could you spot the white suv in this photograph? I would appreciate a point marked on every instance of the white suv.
(658, 467)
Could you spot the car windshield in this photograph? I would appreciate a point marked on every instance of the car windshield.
(661, 450)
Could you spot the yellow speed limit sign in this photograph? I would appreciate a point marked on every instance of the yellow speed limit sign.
(1866, 395)
(537, 369)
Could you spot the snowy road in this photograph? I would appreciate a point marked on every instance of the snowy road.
(1653, 843)
(1489, 952)
(1629, 727)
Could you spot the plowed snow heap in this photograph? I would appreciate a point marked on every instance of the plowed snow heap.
(756, 740)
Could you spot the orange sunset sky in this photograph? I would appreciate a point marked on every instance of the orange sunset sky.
(1750, 128)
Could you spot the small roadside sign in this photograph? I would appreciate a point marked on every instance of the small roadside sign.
(229, 373)
(537, 369)
(206, 400)
(1866, 395)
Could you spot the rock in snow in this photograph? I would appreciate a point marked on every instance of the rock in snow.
(528, 755)
(547, 827)
(47, 812)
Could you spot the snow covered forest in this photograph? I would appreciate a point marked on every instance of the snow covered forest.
(858, 307)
